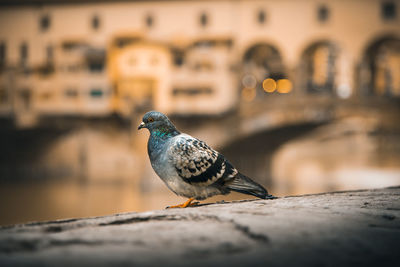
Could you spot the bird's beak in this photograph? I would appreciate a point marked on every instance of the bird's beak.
(142, 125)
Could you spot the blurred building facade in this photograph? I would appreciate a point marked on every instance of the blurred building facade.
(87, 59)
(300, 95)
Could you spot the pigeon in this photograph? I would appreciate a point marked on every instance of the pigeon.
(189, 167)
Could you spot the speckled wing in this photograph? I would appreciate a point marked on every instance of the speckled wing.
(198, 164)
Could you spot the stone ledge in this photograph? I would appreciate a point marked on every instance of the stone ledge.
(332, 229)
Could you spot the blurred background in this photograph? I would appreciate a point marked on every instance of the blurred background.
(301, 95)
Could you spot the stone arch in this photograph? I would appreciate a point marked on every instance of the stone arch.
(252, 154)
(379, 71)
(260, 61)
(318, 67)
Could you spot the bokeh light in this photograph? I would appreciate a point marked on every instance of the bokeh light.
(249, 81)
(344, 91)
(284, 86)
(248, 94)
(269, 85)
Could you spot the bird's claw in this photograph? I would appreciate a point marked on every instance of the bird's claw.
(188, 203)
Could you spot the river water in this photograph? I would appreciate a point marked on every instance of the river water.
(343, 155)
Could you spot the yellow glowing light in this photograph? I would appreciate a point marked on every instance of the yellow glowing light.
(284, 86)
(248, 94)
(269, 85)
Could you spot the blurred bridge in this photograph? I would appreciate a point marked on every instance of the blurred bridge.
(112, 148)
(282, 111)
(250, 136)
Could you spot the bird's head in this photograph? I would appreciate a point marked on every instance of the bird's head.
(156, 121)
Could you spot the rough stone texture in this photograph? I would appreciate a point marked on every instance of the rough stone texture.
(332, 229)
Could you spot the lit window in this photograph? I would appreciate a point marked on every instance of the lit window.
(96, 93)
(323, 14)
(203, 20)
(95, 22)
(149, 21)
(261, 16)
(44, 23)
(388, 10)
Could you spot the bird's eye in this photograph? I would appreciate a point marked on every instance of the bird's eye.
(150, 119)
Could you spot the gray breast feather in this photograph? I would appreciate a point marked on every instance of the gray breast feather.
(198, 164)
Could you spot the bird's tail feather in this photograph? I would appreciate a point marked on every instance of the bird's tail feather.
(245, 185)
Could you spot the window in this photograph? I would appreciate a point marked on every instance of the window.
(72, 45)
(46, 96)
(203, 20)
(95, 22)
(48, 67)
(23, 53)
(124, 41)
(25, 96)
(96, 93)
(203, 65)
(44, 22)
(261, 17)
(2, 54)
(149, 21)
(178, 56)
(388, 10)
(71, 93)
(95, 59)
(49, 53)
(323, 13)
(192, 91)
(154, 60)
(3, 96)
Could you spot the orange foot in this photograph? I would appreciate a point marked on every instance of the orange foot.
(188, 203)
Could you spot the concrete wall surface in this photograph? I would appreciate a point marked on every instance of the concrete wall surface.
(353, 228)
